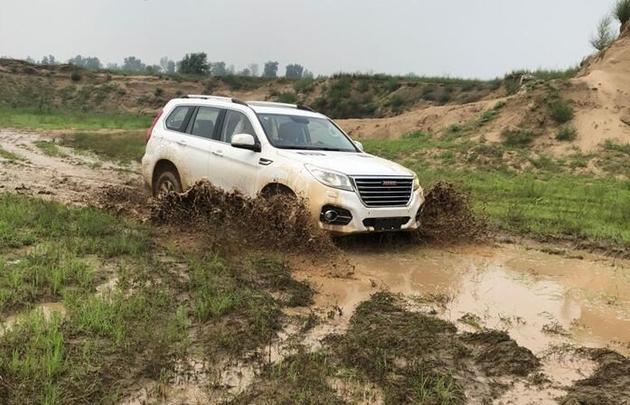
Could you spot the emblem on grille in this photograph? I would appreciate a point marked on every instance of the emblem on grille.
(390, 182)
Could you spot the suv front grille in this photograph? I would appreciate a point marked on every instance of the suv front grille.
(384, 191)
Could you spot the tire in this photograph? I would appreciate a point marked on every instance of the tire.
(167, 182)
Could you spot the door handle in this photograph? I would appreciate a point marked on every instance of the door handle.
(217, 153)
(181, 142)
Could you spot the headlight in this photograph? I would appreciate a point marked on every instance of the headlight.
(330, 178)
(416, 182)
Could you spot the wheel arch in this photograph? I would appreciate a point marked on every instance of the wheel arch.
(276, 188)
(160, 167)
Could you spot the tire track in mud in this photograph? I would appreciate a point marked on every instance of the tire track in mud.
(71, 179)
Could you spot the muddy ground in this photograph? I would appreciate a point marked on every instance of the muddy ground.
(503, 321)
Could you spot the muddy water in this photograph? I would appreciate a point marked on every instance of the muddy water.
(544, 301)
(540, 299)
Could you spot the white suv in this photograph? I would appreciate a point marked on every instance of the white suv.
(263, 148)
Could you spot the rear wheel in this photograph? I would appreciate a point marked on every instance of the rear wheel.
(167, 182)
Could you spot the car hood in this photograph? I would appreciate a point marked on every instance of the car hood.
(353, 164)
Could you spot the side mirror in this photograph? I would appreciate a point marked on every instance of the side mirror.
(245, 141)
(359, 145)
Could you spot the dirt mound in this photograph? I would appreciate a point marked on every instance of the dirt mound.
(448, 215)
(279, 222)
(497, 354)
(609, 385)
(124, 200)
(402, 350)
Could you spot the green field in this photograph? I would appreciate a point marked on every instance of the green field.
(53, 119)
(89, 352)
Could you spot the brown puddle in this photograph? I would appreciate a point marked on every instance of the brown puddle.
(540, 299)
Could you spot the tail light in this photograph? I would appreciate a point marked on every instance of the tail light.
(150, 130)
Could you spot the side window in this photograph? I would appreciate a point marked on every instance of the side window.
(236, 123)
(178, 118)
(205, 122)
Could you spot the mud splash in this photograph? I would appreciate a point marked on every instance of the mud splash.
(281, 222)
(448, 215)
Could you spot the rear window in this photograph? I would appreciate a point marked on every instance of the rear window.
(205, 122)
(178, 118)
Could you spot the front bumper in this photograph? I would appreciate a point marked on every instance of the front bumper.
(321, 196)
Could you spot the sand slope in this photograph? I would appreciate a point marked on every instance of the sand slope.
(600, 96)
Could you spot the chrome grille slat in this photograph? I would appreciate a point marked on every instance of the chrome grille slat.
(384, 191)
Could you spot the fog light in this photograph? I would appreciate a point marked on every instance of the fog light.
(330, 216)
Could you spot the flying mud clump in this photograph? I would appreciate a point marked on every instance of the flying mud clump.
(448, 215)
(281, 221)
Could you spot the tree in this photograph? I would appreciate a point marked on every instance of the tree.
(133, 64)
(604, 35)
(48, 60)
(87, 62)
(195, 64)
(253, 69)
(153, 69)
(294, 71)
(167, 65)
(244, 72)
(271, 69)
(218, 69)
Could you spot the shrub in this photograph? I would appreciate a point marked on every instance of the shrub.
(561, 111)
(518, 137)
(566, 134)
(159, 92)
(75, 76)
(604, 35)
(287, 97)
(512, 86)
(622, 11)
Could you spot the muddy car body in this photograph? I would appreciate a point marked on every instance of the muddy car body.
(262, 148)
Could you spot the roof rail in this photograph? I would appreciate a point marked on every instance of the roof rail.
(250, 103)
(271, 104)
(207, 97)
(217, 98)
(280, 105)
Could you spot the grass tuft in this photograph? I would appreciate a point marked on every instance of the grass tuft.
(561, 111)
(566, 134)
(518, 138)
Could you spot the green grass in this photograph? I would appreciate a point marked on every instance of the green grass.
(57, 241)
(546, 201)
(122, 147)
(105, 343)
(566, 134)
(518, 138)
(57, 119)
(49, 148)
(10, 156)
(561, 111)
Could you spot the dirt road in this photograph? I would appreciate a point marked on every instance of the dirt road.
(548, 298)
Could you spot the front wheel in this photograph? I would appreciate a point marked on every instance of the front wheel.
(167, 182)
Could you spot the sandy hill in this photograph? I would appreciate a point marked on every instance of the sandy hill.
(599, 96)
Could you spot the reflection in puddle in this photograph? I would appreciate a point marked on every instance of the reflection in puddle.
(540, 299)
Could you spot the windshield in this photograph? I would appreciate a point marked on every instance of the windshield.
(298, 132)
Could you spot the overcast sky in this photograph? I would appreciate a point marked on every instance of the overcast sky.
(470, 38)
